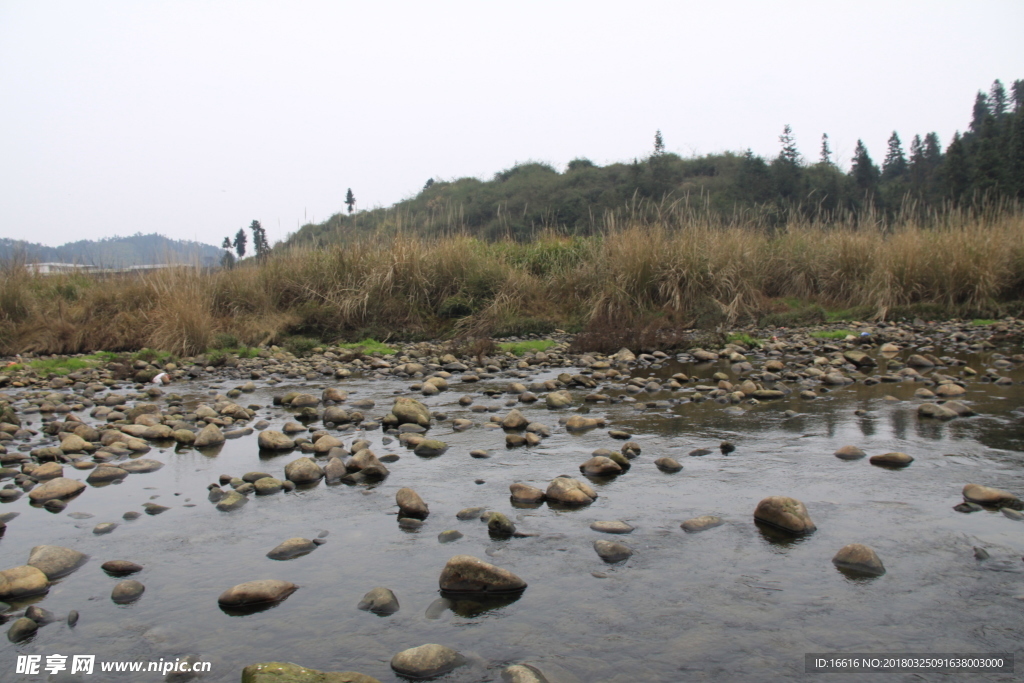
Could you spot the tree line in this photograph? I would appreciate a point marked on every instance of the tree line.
(983, 164)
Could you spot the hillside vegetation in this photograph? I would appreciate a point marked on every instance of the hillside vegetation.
(983, 165)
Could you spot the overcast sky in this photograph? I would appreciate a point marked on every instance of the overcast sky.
(191, 119)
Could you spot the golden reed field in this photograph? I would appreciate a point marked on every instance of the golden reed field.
(678, 269)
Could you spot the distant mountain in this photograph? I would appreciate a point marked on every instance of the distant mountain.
(115, 252)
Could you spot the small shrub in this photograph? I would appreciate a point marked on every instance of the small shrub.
(225, 340)
(983, 321)
(300, 346)
(745, 339)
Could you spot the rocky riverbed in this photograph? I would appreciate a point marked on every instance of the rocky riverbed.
(713, 514)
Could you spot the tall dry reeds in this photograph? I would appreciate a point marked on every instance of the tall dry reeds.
(679, 265)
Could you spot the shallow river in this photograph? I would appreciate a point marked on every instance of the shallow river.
(730, 603)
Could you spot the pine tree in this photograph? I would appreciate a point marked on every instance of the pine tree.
(350, 200)
(987, 169)
(979, 112)
(895, 163)
(789, 151)
(918, 171)
(240, 241)
(997, 99)
(865, 173)
(1018, 95)
(1015, 149)
(826, 151)
(956, 171)
(259, 241)
(228, 259)
(226, 244)
(659, 143)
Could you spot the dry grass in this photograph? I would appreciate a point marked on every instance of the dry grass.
(679, 269)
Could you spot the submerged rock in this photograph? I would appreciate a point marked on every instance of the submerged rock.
(849, 453)
(127, 591)
(22, 582)
(285, 672)
(380, 601)
(256, 592)
(426, 661)
(860, 559)
(293, 547)
(410, 504)
(467, 574)
(992, 497)
(894, 459)
(56, 561)
(570, 492)
(614, 527)
(785, 513)
(612, 551)
(55, 489)
(702, 523)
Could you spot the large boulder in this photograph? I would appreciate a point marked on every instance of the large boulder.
(612, 551)
(303, 471)
(285, 672)
(558, 399)
(579, 423)
(273, 440)
(22, 582)
(570, 492)
(860, 559)
(380, 600)
(600, 466)
(429, 448)
(56, 489)
(411, 411)
(211, 435)
(515, 420)
(256, 593)
(426, 661)
(788, 514)
(293, 547)
(56, 561)
(410, 504)
(894, 459)
(467, 574)
(524, 493)
(992, 497)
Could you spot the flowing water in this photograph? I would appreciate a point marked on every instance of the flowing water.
(736, 602)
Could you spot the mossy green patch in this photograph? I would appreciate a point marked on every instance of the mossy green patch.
(369, 346)
(519, 348)
(831, 334)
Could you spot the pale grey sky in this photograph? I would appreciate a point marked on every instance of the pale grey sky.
(192, 118)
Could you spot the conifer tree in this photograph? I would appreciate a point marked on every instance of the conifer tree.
(1018, 95)
(1015, 167)
(979, 112)
(826, 151)
(988, 160)
(865, 173)
(997, 99)
(259, 241)
(789, 152)
(240, 241)
(956, 170)
(350, 200)
(659, 143)
(895, 163)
